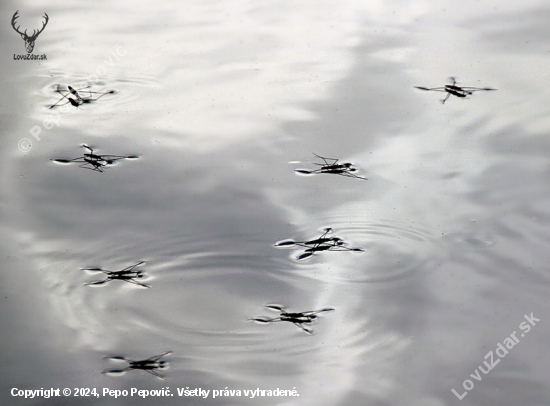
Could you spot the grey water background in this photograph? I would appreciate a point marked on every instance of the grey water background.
(222, 101)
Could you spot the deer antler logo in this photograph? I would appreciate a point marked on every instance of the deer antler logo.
(29, 40)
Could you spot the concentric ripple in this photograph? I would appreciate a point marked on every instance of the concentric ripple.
(392, 250)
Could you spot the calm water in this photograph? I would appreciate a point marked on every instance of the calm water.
(221, 101)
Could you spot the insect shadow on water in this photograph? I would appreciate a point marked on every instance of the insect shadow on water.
(128, 274)
(323, 243)
(298, 319)
(453, 89)
(85, 97)
(94, 161)
(331, 165)
(149, 365)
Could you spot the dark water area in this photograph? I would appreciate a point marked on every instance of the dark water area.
(217, 104)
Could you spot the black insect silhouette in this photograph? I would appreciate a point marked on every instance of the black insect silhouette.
(323, 243)
(85, 97)
(453, 89)
(128, 274)
(94, 161)
(149, 365)
(29, 40)
(331, 165)
(298, 319)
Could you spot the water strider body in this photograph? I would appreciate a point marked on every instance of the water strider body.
(94, 161)
(79, 99)
(453, 89)
(298, 318)
(323, 243)
(128, 274)
(150, 365)
(331, 166)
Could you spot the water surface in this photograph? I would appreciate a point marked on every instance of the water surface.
(221, 101)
